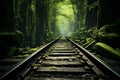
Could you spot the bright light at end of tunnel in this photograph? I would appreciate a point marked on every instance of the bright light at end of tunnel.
(64, 18)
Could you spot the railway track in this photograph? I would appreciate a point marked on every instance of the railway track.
(61, 59)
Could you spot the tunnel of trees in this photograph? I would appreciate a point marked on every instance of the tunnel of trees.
(27, 24)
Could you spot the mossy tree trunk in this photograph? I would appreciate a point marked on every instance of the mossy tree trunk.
(9, 36)
(92, 13)
(80, 14)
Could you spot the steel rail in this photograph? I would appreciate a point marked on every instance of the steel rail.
(100, 63)
(18, 67)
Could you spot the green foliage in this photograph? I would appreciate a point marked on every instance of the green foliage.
(105, 49)
(33, 49)
(89, 42)
(64, 15)
(52, 68)
(36, 65)
(25, 55)
(106, 35)
(46, 54)
(39, 21)
(112, 28)
(109, 35)
(82, 36)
